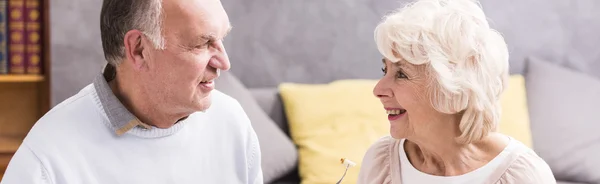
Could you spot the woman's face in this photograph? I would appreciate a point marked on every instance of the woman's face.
(405, 94)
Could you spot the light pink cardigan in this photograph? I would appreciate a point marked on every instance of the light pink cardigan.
(381, 165)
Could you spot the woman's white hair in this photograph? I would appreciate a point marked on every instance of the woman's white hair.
(466, 60)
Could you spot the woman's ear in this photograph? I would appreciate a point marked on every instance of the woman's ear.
(134, 49)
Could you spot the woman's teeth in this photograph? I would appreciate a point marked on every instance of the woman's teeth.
(395, 112)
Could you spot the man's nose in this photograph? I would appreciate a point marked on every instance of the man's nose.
(220, 60)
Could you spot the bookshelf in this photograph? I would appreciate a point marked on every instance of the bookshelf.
(24, 98)
(21, 78)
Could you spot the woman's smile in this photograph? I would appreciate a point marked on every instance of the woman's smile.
(395, 113)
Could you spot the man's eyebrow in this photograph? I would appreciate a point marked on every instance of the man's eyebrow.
(212, 37)
(205, 37)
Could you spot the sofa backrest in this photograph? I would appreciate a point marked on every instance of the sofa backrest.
(270, 101)
(315, 41)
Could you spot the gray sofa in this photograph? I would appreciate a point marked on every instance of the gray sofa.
(553, 43)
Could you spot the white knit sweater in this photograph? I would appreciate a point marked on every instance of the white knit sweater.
(76, 143)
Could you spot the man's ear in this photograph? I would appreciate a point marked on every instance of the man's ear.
(134, 49)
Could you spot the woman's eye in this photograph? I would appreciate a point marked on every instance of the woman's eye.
(401, 75)
(384, 70)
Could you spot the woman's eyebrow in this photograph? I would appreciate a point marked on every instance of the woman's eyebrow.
(398, 64)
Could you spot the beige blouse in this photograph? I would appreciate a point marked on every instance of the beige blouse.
(381, 165)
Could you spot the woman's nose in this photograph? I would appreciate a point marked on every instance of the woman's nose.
(382, 89)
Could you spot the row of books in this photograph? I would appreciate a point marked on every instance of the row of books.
(20, 37)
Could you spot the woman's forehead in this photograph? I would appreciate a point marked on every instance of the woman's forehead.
(399, 63)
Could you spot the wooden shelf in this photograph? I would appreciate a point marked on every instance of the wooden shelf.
(10, 144)
(24, 98)
(21, 78)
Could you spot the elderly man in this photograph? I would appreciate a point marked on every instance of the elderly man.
(146, 118)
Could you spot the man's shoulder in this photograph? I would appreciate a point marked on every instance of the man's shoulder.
(81, 95)
(79, 103)
(79, 110)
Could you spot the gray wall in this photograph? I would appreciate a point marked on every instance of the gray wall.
(319, 41)
(76, 47)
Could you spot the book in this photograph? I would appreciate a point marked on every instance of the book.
(3, 37)
(33, 44)
(16, 40)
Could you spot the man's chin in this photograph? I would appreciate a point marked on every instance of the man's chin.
(203, 103)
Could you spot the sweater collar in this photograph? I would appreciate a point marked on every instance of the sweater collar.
(120, 118)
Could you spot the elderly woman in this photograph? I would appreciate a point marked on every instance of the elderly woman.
(444, 70)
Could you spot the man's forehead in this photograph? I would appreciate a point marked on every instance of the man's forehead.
(195, 10)
(194, 20)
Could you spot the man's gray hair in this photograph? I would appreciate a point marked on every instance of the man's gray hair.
(117, 17)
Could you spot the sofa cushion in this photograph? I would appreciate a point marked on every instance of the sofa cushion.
(279, 154)
(565, 120)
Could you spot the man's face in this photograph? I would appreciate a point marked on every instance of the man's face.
(180, 78)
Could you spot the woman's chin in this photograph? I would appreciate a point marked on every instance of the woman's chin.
(398, 130)
(397, 134)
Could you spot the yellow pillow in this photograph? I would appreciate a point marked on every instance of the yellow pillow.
(343, 118)
(330, 121)
(514, 120)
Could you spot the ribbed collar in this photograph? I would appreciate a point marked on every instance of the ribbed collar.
(121, 120)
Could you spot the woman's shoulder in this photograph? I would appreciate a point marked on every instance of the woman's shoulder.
(380, 149)
(375, 166)
(527, 167)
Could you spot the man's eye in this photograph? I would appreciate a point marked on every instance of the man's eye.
(204, 45)
(201, 46)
